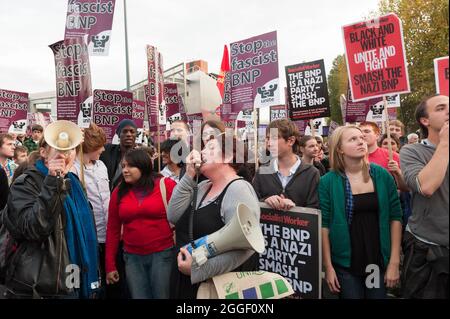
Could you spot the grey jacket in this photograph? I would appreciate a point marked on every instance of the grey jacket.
(301, 189)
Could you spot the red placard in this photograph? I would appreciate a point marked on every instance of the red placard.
(376, 60)
(441, 75)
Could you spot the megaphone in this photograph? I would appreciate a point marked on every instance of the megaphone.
(243, 231)
(63, 135)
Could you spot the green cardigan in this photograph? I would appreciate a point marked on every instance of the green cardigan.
(334, 217)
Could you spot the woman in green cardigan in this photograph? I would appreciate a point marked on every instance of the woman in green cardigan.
(361, 220)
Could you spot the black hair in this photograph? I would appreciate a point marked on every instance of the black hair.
(167, 146)
(421, 111)
(139, 158)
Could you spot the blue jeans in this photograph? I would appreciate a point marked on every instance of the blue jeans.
(354, 287)
(148, 276)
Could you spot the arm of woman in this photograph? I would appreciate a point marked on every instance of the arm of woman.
(34, 209)
(238, 192)
(392, 275)
(395, 218)
(330, 273)
(180, 199)
(325, 207)
(113, 232)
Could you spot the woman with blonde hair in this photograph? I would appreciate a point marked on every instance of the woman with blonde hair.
(361, 220)
(94, 176)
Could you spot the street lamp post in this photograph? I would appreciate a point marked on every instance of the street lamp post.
(126, 44)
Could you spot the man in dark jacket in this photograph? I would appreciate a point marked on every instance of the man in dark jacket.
(287, 181)
(4, 188)
(113, 154)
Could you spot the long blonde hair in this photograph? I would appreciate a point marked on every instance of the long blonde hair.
(337, 162)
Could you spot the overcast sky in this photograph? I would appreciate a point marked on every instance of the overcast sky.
(182, 30)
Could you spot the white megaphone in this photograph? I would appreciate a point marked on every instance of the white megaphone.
(242, 232)
(63, 135)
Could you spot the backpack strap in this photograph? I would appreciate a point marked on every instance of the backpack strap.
(162, 188)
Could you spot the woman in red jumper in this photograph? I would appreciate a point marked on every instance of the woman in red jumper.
(137, 209)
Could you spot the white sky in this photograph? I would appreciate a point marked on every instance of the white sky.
(182, 30)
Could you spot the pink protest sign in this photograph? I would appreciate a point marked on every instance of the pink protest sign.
(111, 107)
(93, 19)
(73, 81)
(13, 111)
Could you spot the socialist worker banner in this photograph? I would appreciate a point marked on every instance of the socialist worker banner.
(278, 112)
(307, 91)
(441, 75)
(13, 112)
(73, 81)
(376, 61)
(111, 107)
(293, 244)
(91, 18)
(254, 72)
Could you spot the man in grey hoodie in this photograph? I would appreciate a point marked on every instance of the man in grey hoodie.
(426, 240)
(287, 181)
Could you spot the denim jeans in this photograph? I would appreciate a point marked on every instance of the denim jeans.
(354, 287)
(148, 276)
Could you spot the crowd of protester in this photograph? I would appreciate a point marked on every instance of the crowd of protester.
(124, 213)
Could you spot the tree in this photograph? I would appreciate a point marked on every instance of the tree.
(337, 85)
(426, 35)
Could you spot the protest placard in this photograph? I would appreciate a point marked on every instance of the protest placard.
(307, 91)
(375, 55)
(73, 81)
(92, 19)
(13, 112)
(254, 72)
(111, 107)
(441, 75)
(293, 248)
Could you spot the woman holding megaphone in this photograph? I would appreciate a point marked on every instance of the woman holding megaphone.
(218, 199)
(49, 218)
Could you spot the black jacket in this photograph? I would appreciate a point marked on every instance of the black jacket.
(301, 189)
(111, 156)
(35, 218)
(4, 188)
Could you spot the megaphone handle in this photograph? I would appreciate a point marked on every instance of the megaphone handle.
(191, 217)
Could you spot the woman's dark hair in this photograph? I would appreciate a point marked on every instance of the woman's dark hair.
(167, 146)
(216, 124)
(305, 139)
(139, 158)
(393, 138)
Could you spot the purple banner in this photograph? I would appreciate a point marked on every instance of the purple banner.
(91, 18)
(182, 109)
(254, 72)
(171, 99)
(301, 125)
(73, 81)
(138, 113)
(111, 107)
(138, 118)
(227, 115)
(13, 112)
